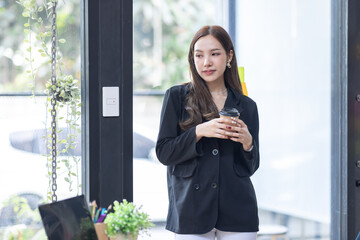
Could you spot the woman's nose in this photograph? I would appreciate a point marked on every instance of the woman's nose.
(207, 61)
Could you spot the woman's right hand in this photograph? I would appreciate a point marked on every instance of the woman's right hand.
(213, 128)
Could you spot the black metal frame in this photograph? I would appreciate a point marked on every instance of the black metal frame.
(345, 120)
(107, 61)
(232, 21)
(353, 118)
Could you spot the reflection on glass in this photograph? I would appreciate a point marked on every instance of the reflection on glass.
(24, 121)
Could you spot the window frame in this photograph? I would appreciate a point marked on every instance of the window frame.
(107, 61)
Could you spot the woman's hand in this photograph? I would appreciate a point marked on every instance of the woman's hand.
(241, 134)
(216, 127)
(225, 129)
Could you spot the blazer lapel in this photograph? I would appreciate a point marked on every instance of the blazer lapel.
(234, 100)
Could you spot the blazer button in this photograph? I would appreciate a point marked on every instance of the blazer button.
(214, 185)
(196, 186)
(215, 152)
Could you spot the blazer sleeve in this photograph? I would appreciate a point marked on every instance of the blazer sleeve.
(174, 146)
(252, 158)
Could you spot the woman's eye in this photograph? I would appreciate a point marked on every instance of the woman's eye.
(197, 55)
(216, 54)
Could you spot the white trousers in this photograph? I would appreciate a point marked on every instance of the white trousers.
(218, 235)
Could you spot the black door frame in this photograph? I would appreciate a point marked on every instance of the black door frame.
(107, 61)
(345, 120)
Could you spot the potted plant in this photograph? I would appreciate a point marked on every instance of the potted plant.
(126, 221)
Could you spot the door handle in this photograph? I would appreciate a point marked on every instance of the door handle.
(357, 183)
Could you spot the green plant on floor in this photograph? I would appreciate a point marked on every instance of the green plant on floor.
(128, 220)
(25, 222)
(38, 31)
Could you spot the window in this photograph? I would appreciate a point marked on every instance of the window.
(24, 120)
(285, 49)
(162, 37)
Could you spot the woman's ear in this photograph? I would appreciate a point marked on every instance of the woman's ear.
(230, 55)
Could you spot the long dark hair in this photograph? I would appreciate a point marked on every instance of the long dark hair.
(198, 102)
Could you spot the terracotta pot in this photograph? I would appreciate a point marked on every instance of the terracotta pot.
(100, 231)
(124, 237)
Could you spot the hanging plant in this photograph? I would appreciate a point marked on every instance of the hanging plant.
(65, 90)
(67, 95)
(63, 94)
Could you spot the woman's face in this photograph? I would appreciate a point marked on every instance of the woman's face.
(210, 59)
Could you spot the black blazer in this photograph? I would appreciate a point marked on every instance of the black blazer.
(209, 182)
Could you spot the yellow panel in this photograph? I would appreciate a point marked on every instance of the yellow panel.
(241, 74)
(243, 86)
(242, 80)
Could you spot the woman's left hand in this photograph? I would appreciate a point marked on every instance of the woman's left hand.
(241, 135)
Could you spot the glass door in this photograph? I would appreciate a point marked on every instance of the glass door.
(162, 34)
(285, 49)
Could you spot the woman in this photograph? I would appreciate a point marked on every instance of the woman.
(209, 160)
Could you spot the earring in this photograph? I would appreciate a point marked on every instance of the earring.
(228, 65)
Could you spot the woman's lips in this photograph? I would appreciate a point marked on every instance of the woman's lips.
(208, 72)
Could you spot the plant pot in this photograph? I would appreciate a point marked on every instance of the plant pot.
(124, 237)
(100, 231)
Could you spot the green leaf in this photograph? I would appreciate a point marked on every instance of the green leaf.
(26, 30)
(26, 25)
(62, 40)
